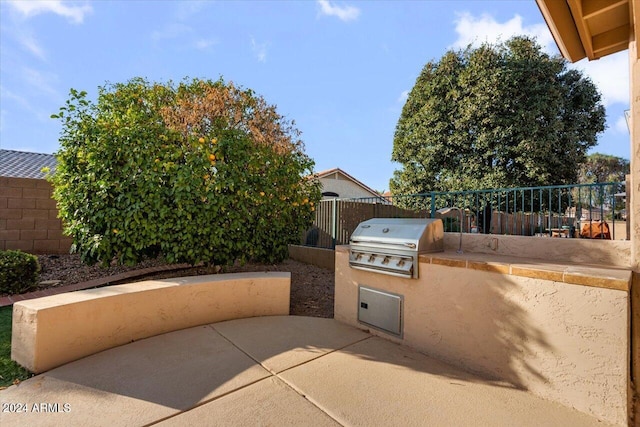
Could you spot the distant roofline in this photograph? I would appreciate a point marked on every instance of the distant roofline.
(25, 164)
(327, 172)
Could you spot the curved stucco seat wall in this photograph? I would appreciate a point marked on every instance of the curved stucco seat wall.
(54, 330)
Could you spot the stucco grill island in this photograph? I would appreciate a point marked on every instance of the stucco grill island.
(392, 245)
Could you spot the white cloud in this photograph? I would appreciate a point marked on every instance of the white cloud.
(20, 100)
(42, 83)
(610, 74)
(260, 50)
(24, 37)
(31, 8)
(344, 13)
(204, 44)
(171, 31)
(25, 105)
(475, 30)
(185, 35)
(20, 31)
(397, 106)
(187, 9)
(31, 44)
(621, 125)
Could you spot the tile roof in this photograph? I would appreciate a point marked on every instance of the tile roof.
(22, 164)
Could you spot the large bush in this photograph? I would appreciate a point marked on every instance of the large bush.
(199, 172)
(19, 272)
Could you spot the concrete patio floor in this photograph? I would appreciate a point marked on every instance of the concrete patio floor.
(281, 370)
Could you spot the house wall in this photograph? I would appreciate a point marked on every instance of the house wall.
(29, 217)
(345, 188)
(634, 209)
(634, 64)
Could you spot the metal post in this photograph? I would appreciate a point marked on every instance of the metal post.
(433, 205)
(549, 210)
(334, 222)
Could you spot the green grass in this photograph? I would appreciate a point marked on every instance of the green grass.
(9, 370)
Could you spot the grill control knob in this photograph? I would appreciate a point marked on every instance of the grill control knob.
(372, 258)
(400, 263)
(386, 260)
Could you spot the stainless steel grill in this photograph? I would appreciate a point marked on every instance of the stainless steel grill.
(392, 245)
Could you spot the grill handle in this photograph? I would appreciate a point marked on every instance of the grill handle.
(378, 242)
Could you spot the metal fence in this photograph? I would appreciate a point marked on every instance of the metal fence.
(580, 210)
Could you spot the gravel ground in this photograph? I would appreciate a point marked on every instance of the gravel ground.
(312, 288)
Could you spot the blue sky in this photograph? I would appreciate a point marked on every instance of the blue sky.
(341, 70)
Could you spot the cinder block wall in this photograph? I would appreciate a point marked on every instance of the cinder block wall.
(29, 217)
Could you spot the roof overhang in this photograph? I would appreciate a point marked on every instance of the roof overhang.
(591, 28)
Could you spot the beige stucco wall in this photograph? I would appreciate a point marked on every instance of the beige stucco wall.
(634, 125)
(571, 251)
(565, 342)
(50, 331)
(634, 202)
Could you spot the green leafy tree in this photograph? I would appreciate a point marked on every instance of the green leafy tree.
(505, 115)
(602, 168)
(202, 171)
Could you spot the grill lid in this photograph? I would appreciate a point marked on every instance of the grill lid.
(392, 245)
(405, 234)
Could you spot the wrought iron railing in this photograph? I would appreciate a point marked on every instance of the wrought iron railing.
(597, 210)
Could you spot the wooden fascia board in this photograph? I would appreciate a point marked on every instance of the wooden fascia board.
(559, 19)
(581, 25)
(634, 18)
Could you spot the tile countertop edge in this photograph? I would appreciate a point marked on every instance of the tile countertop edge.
(599, 276)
